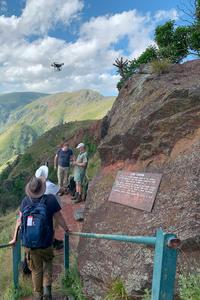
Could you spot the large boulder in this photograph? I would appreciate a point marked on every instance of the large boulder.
(154, 126)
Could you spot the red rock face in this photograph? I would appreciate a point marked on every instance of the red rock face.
(154, 126)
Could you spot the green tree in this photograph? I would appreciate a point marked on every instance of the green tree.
(194, 38)
(172, 42)
(191, 15)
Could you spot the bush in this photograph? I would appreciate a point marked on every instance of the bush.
(117, 291)
(94, 165)
(147, 295)
(25, 290)
(189, 287)
(71, 283)
(160, 66)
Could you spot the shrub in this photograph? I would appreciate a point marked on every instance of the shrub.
(147, 295)
(160, 66)
(71, 283)
(117, 291)
(25, 290)
(189, 287)
(93, 166)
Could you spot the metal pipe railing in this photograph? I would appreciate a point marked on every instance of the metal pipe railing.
(147, 240)
(16, 259)
(165, 258)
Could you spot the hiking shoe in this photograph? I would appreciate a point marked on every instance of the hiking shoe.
(78, 199)
(75, 196)
(66, 192)
(61, 193)
(58, 244)
(47, 293)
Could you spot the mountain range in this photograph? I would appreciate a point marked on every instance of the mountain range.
(28, 117)
(12, 101)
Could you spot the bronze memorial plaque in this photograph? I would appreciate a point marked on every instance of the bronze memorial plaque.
(137, 190)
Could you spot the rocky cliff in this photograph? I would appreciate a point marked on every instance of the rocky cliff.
(154, 126)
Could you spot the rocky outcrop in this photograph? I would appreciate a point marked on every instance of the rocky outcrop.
(154, 126)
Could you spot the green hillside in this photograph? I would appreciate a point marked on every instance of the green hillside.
(32, 120)
(14, 177)
(11, 101)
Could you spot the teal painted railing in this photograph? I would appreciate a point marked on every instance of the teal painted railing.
(165, 257)
(16, 260)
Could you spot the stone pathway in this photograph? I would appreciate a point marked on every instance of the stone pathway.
(68, 210)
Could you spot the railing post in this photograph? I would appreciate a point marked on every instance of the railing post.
(16, 262)
(66, 251)
(164, 272)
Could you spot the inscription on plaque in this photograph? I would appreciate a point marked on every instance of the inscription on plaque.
(134, 189)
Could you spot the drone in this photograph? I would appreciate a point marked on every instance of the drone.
(57, 66)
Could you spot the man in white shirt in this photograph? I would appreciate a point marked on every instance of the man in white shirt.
(51, 188)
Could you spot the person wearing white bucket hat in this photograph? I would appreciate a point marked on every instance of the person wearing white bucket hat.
(51, 188)
(80, 166)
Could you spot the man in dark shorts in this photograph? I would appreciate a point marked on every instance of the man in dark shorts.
(62, 163)
(40, 260)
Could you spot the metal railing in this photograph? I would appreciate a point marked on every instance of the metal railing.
(165, 258)
(16, 260)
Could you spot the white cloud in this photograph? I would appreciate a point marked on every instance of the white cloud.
(25, 65)
(41, 15)
(163, 14)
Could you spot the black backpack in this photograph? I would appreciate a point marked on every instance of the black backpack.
(34, 226)
(71, 186)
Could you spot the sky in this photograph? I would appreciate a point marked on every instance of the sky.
(86, 35)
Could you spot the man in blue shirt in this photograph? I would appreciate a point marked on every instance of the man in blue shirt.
(40, 260)
(62, 164)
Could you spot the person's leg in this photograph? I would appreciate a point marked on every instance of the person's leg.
(78, 194)
(61, 179)
(57, 244)
(77, 191)
(59, 175)
(65, 178)
(35, 264)
(79, 187)
(47, 271)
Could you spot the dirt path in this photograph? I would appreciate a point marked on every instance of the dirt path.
(68, 210)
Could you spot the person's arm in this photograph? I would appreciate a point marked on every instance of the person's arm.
(18, 223)
(83, 164)
(55, 161)
(61, 221)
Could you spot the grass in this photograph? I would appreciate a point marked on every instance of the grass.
(24, 290)
(160, 66)
(72, 284)
(116, 291)
(7, 291)
(93, 166)
(147, 295)
(189, 286)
